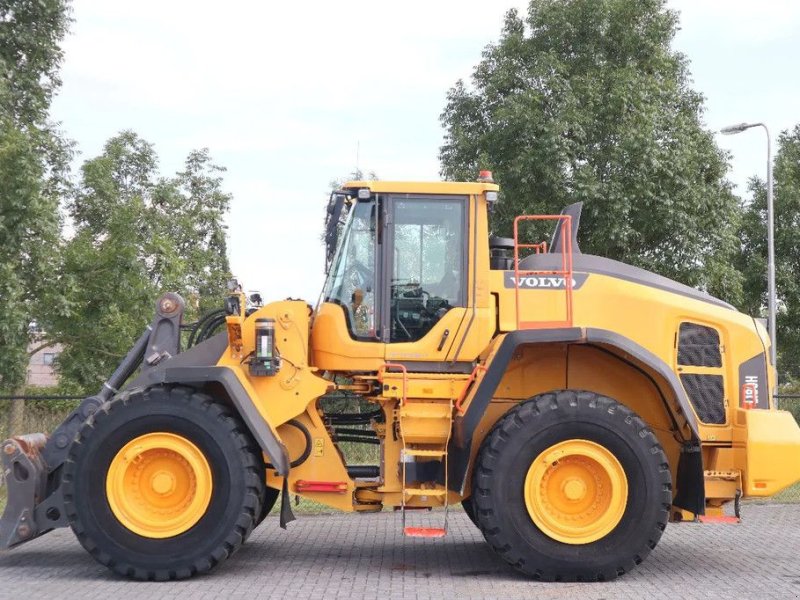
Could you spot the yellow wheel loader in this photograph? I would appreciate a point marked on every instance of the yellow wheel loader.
(571, 403)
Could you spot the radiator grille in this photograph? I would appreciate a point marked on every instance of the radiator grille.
(707, 396)
(698, 346)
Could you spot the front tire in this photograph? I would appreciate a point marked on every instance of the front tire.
(267, 503)
(163, 484)
(572, 486)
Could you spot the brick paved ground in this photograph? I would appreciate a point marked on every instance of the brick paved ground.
(364, 556)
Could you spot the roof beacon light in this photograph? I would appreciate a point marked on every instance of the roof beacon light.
(485, 177)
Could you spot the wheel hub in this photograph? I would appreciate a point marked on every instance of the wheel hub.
(576, 491)
(159, 485)
(163, 483)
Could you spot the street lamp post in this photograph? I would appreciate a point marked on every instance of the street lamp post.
(771, 293)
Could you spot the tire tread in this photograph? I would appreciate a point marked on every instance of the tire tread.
(251, 461)
(525, 415)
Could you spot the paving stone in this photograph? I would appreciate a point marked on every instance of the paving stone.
(366, 556)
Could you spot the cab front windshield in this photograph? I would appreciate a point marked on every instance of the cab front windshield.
(351, 282)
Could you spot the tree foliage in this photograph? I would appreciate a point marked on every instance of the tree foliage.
(30, 56)
(136, 236)
(753, 259)
(584, 100)
(33, 173)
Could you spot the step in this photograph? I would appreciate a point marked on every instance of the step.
(421, 492)
(719, 519)
(424, 532)
(425, 422)
(430, 453)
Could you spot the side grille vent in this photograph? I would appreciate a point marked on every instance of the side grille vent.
(698, 346)
(707, 395)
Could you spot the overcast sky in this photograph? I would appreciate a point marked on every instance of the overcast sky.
(285, 93)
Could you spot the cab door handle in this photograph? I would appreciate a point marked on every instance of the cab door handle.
(445, 335)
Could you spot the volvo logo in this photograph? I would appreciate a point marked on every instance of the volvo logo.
(543, 282)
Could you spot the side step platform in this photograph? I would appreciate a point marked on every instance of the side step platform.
(425, 430)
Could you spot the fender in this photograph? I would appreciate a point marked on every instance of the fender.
(690, 481)
(197, 366)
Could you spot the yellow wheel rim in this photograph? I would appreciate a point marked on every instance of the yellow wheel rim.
(576, 492)
(159, 485)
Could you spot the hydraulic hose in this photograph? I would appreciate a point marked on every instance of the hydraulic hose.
(357, 440)
(306, 451)
(357, 432)
(201, 324)
(208, 328)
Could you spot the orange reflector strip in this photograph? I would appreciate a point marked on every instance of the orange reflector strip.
(718, 519)
(426, 532)
(760, 484)
(336, 487)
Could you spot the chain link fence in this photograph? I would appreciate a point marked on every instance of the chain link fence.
(33, 414)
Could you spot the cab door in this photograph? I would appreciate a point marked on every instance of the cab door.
(345, 335)
(425, 287)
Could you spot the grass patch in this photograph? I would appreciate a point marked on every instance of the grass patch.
(306, 507)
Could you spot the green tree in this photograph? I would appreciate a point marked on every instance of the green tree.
(753, 259)
(585, 100)
(104, 271)
(136, 235)
(193, 253)
(30, 57)
(33, 176)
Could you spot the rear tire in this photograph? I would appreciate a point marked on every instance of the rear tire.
(510, 501)
(221, 525)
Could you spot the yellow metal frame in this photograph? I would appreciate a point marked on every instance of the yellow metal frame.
(763, 446)
(453, 188)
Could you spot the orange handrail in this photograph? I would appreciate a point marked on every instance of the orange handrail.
(565, 222)
(385, 368)
(473, 376)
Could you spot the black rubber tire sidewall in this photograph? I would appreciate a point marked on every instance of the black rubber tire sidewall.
(527, 431)
(234, 503)
(469, 508)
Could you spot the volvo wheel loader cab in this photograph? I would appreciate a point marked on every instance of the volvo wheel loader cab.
(571, 403)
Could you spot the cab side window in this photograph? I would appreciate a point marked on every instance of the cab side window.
(428, 251)
(352, 280)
